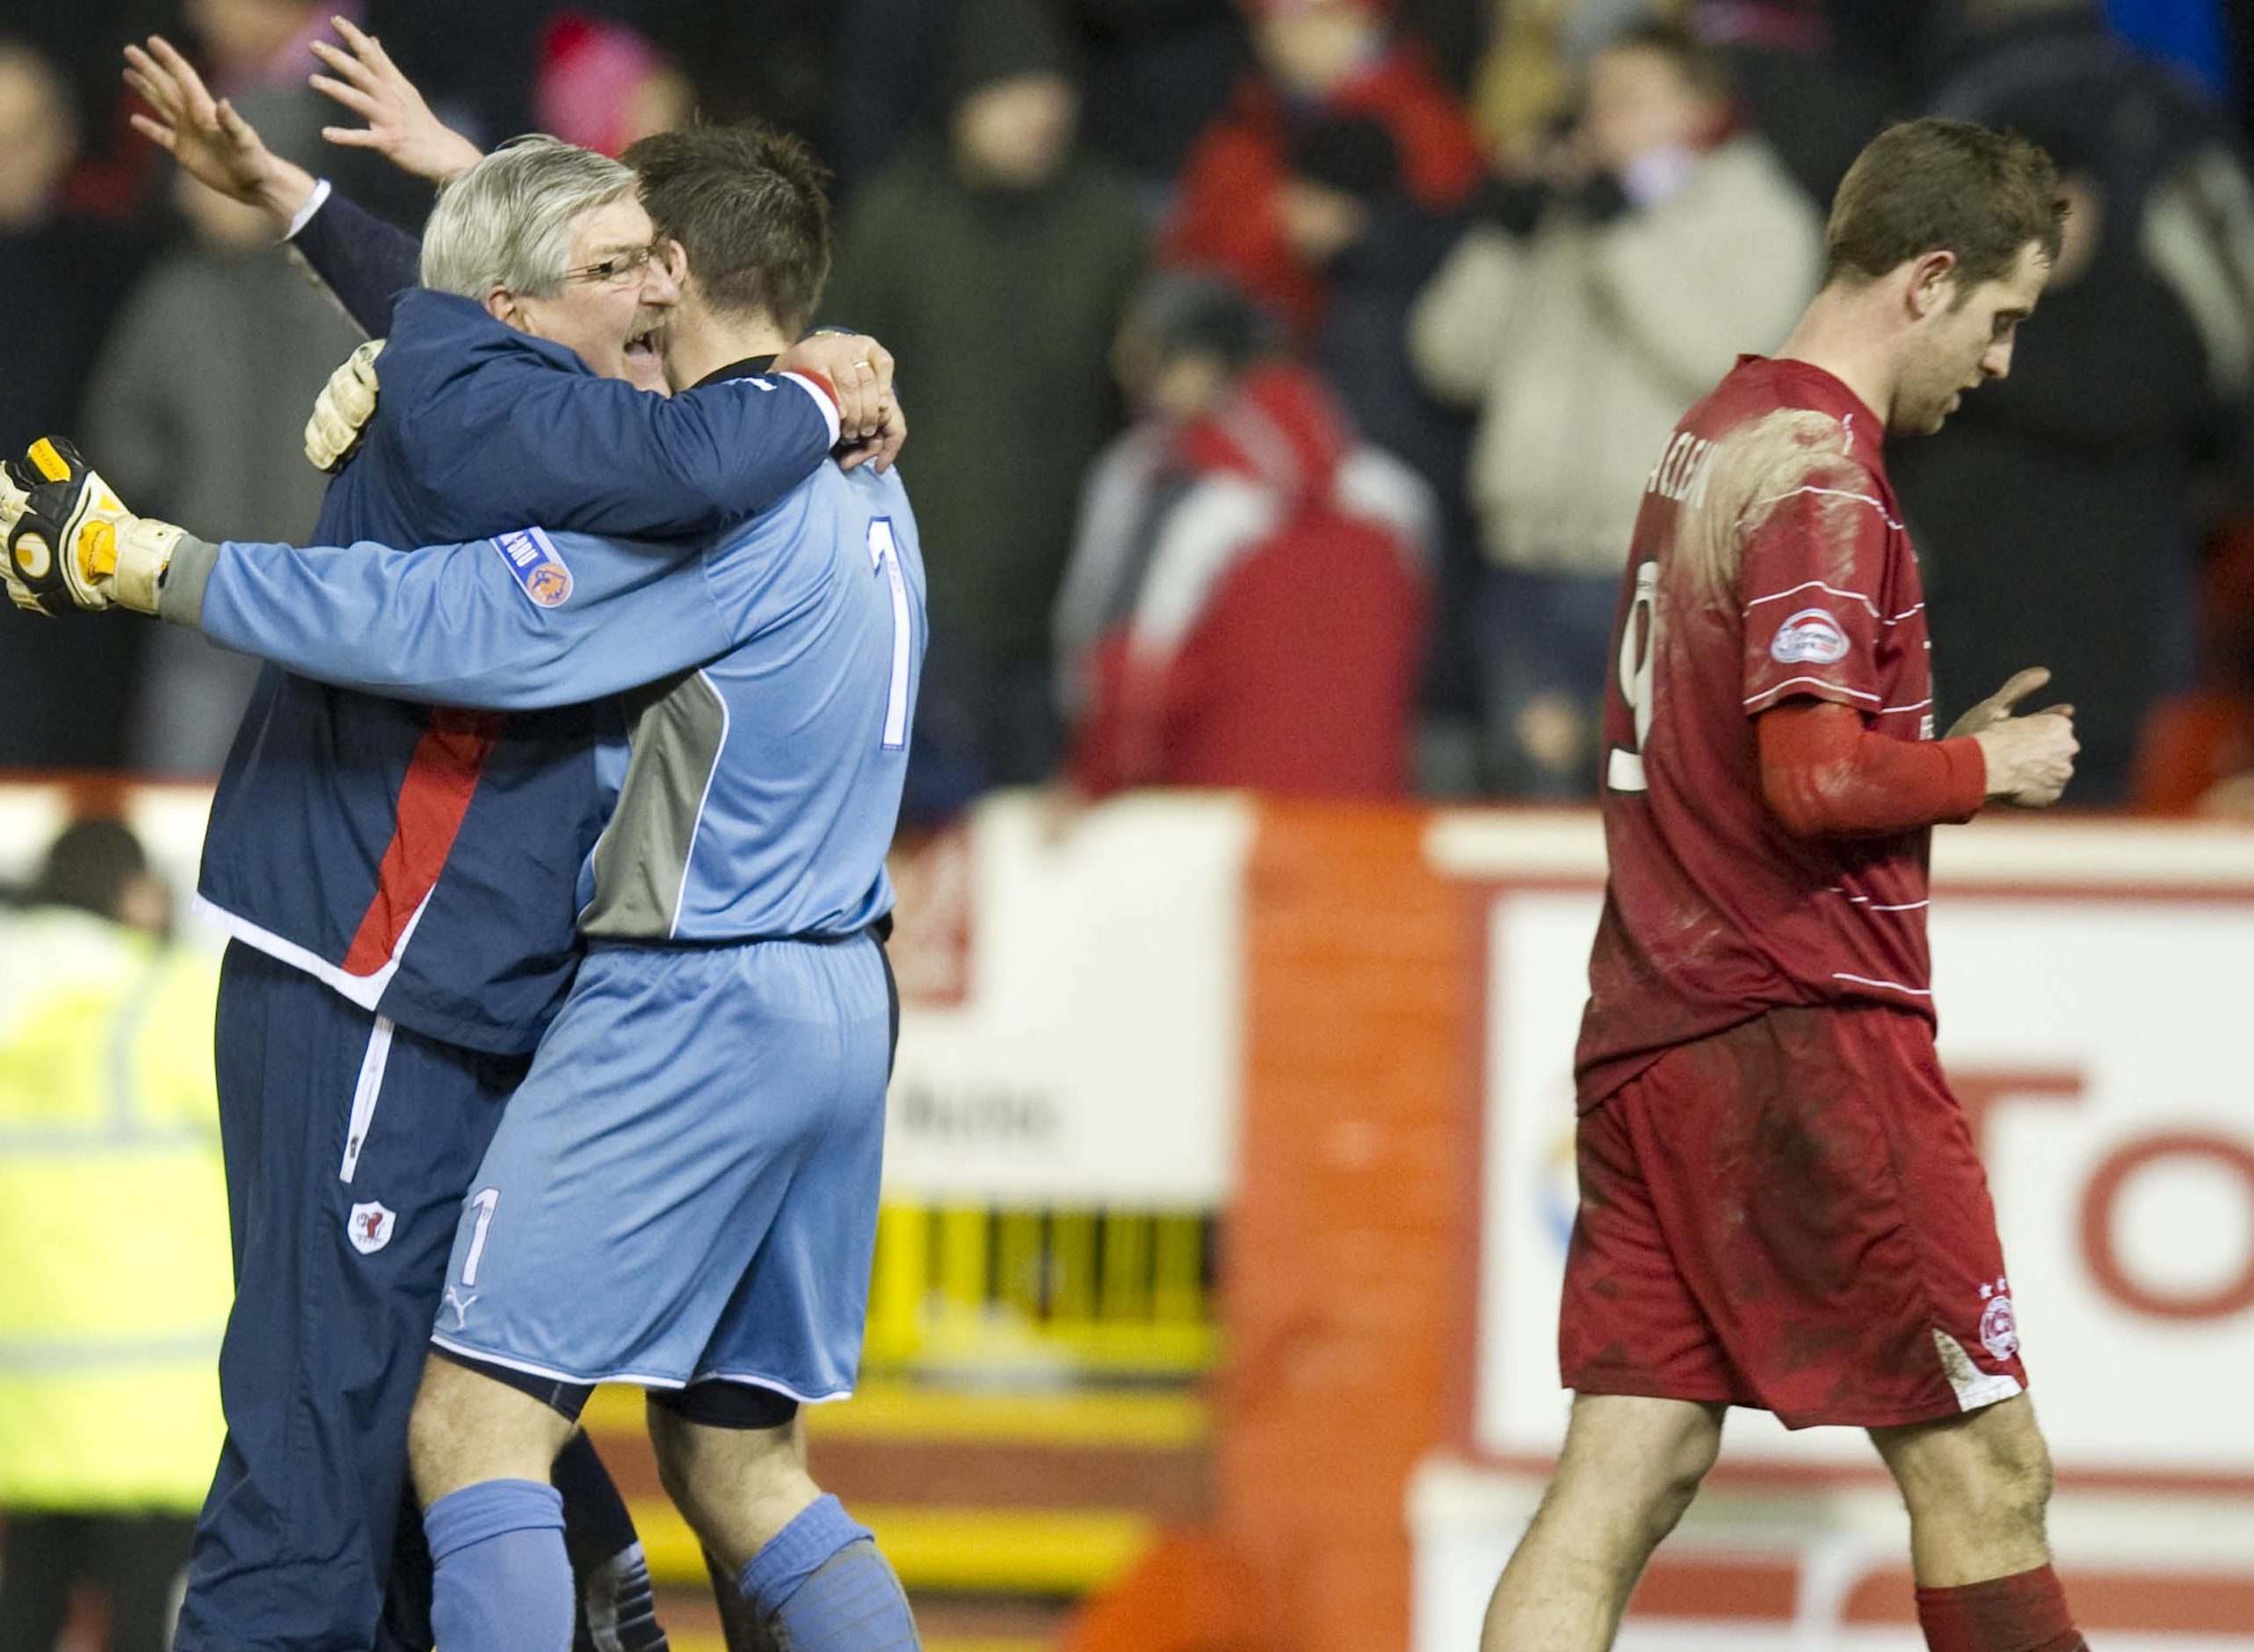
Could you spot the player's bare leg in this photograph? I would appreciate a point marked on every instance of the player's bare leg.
(773, 1485)
(481, 1454)
(814, 1577)
(1977, 1487)
(1629, 1468)
(737, 1488)
(467, 1427)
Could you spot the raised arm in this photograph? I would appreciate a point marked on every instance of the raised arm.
(519, 621)
(399, 126)
(367, 262)
(364, 261)
(213, 145)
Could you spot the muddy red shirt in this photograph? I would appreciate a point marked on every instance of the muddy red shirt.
(1769, 563)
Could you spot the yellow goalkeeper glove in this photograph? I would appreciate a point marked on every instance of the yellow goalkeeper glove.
(72, 542)
(345, 405)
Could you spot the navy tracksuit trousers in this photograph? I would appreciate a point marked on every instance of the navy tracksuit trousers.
(350, 1145)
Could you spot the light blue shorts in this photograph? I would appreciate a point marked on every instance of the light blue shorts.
(686, 1186)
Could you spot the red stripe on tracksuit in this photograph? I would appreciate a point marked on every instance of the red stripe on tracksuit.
(441, 780)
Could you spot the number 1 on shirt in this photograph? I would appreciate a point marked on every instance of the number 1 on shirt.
(884, 556)
(1638, 653)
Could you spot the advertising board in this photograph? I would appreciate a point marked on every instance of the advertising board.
(2091, 983)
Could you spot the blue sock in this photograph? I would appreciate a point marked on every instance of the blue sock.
(502, 1583)
(822, 1585)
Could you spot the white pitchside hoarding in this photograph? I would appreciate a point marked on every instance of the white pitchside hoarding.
(1072, 988)
(2095, 985)
(1074, 1005)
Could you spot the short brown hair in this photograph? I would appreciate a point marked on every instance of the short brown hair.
(746, 204)
(1935, 185)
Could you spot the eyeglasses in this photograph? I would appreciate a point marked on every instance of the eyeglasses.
(616, 269)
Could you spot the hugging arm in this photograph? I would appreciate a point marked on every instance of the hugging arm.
(512, 623)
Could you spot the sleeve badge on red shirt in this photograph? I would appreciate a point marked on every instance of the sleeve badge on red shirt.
(1810, 636)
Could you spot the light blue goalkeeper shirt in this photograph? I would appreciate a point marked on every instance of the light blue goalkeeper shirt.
(769, 684)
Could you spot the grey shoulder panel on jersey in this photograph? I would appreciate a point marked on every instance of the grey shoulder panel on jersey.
(641, 862)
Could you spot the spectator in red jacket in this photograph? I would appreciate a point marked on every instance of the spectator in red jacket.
(1320, 60)
(1245, 602)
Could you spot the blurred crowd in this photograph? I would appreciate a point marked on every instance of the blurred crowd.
(1284, 374)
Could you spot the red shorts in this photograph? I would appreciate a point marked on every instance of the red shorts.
(1790, 1215)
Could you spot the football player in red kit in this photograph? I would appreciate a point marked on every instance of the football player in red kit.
(1780, 1203)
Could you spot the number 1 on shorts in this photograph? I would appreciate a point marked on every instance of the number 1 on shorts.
(485, 1199)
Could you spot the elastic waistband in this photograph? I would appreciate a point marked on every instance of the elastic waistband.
(880, 931)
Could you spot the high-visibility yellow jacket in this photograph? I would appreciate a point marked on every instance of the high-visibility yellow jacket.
(114, 1270)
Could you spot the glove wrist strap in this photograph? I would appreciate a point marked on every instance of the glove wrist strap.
(144, 551)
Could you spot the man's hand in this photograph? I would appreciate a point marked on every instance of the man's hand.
(2030, 759)
(345, 405)
(869, 421)
(880, 449)
(71, 541)
(212, 143)
(399, 125)
(2000, 705)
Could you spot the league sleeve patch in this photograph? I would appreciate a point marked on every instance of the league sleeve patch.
(533, 559)
(1810, 636)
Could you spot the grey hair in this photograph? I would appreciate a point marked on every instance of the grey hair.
(507, 221)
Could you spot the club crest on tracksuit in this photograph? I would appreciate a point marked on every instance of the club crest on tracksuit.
(369, 1227)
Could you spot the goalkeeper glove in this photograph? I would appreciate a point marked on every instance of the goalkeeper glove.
(345, 405)
(72, 542)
